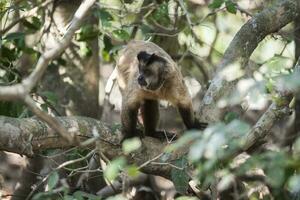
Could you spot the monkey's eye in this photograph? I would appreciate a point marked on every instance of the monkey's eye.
(147, 72)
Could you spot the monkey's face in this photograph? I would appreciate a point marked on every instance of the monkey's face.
(151, 71)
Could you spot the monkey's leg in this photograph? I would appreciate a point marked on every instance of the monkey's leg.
(188, 118)
(129, 120)
(150, 114)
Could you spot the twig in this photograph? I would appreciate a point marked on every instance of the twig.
(29, 13)
(187, 16)
(51, 121)
(149, 161)
(169, 164)
(76, 160)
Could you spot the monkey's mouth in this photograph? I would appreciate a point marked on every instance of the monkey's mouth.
(145, 87)
(148, 87)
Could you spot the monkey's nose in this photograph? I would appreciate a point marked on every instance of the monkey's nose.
(141, 81)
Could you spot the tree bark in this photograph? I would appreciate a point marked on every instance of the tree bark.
(28, 136)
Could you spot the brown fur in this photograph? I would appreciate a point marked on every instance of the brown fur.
(173, 89)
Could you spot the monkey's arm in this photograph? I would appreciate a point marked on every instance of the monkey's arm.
(185, 108)
(187, 114)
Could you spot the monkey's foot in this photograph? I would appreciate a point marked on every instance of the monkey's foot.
(163, 135)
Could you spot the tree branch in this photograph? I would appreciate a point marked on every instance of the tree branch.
(28, 136)
(240, 49)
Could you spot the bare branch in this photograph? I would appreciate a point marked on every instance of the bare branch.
(21, 91)
(51, 121)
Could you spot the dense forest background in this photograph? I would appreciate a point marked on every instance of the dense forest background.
(60, 104)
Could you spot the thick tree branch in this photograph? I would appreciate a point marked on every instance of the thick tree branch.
(276, 111)
(263, 126)
(28, 136)
(240, 49)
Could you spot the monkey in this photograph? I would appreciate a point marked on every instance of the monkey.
(145, 75)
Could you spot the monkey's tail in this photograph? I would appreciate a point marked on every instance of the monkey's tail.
(111, 82)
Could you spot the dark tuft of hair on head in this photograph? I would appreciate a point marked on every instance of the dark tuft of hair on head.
(144, 56)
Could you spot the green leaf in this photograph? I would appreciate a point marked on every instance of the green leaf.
(37, 22)
(52, 180)
(131, 145)
(230, 6)
(121, 34)
(80, 195)
(112, 170)
(11, 109)
(132, 171)
(161, 14)
(14, 36)
(9, 54)
(33, 25)
(179, 176)
(44, 107)
(50, 96)
(230, 116)
(87, 32)
(105, 17)
(216, 4)
(237, 128)
(294, 184)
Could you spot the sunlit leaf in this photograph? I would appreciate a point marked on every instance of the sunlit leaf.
(87, 32)
(131, 145)
(294, 184)
(112, 170)
(121, 34)
(132, 171)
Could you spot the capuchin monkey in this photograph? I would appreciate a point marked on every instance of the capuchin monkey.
(147, 74)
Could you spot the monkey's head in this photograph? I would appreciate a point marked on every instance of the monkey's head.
(152, 70)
